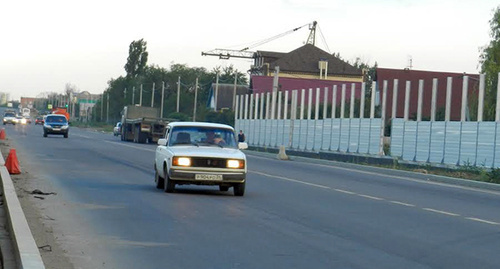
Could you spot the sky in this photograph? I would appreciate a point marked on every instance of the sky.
(45, 45)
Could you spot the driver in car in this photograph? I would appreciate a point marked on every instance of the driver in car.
(213, 138)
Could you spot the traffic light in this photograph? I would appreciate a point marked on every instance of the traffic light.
(66, 105)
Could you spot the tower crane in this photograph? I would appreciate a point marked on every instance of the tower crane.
(225, 54)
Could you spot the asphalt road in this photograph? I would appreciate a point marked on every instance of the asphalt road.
(293, 215)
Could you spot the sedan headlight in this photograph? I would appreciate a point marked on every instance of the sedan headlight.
(47, 126)
(239, 164)
(64, 127)
(23, 121)
(181, 161)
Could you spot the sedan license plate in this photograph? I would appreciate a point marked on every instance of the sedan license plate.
(207, 177)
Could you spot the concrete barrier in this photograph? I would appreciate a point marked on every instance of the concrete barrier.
(25, 248)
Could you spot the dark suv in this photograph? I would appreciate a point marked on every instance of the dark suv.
(56, 124)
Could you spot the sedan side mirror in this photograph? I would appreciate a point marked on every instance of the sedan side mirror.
(242, 145)
(162, 142)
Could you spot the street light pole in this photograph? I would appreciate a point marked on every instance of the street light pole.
(195, 99)
(162, 94)
(107, 111)
(153, 95)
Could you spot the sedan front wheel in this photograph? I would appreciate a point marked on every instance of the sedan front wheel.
(160, 182)
(239, 189)
(169, 185)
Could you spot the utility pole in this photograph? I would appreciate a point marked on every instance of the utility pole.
(107, 111)
(216, 90)
(162, 94)
(275, 91)
(153, 95)
(140, 97)
(72, 105)
(133, 95)
(102, 104)
(195, 99)
(178, 92)
(234, 89)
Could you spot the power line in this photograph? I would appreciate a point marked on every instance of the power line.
(324, 40)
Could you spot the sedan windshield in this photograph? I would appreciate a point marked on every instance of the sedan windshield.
(202, 136)
(56, 119)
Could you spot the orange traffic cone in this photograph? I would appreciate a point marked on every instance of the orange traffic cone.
(12, 163)
(2, 134)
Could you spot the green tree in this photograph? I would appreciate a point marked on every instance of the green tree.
(137, 58)
(226, 75)
(490, 65)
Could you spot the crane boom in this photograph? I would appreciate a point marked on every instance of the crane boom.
(246, 54)
(225, 54)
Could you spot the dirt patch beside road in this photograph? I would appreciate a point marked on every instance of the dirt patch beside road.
(33, 203)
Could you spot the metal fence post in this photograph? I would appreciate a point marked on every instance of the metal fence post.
(433, 114)
(316, 118)
(334, 108)
(285, 116)
(395, 99)
(382, 117)
(268, 112)
(479, 112)
(342, 111)
(325, 111)
(278, 118)
(465, 87)
(419, 114)
(257, 118)
(302, 100)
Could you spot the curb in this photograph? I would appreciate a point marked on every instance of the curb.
(352, 160)
(25, 248)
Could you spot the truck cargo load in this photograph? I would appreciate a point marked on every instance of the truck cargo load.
(61, 111)
(142, 124)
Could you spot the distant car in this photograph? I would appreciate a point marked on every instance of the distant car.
(28, 119)
(202, 154)
(117, 130)
(56, 124)
(21, 120)
(9, 118)
(39, 120)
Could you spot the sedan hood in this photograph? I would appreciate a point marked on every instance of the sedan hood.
(56, 124)
(204, 151)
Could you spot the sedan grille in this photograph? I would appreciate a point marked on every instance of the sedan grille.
(208, 162)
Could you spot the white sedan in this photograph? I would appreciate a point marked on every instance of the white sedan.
(202, 154)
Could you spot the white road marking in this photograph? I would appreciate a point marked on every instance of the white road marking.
(394, 176)
(79, 135)
(292, 180)
(401, 203)
(130, 146)
(441, 212)
(484, 221)
(344, 191)
(371, 197)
